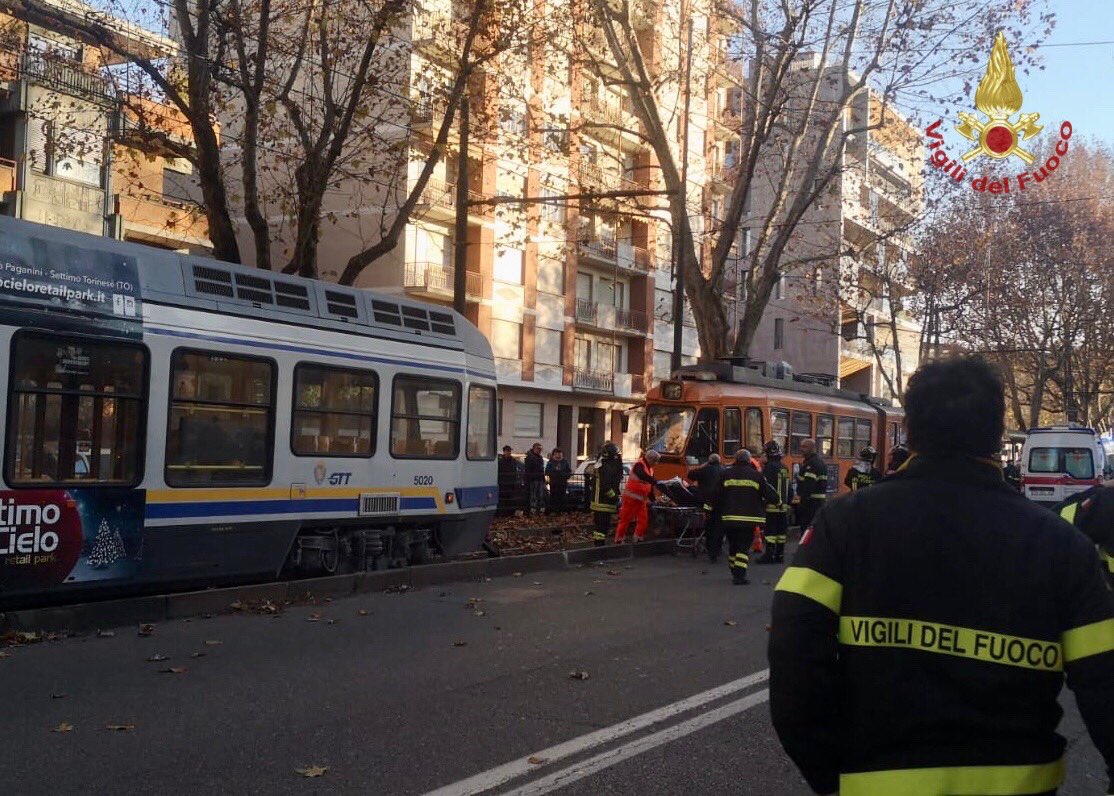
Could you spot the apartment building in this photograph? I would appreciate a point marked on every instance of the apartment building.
(70, 152)
(834, 317)
(575, 296)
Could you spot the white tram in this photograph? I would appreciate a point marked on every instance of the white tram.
(177, 419)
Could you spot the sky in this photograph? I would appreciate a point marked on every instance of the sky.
(1077, 82)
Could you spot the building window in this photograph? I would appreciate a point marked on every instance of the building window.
(481, 423)
(553, 205)
(779, 333)
(334, 412)
(222, 417)
(425, 418)
(801, 429)
(506, 339)
(76, 410)
(529, 419)
(779, 288)
(547, 347)
(68, 152)
(508, 266)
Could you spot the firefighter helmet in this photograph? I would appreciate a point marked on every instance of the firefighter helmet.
(773, 450)
(868, 454)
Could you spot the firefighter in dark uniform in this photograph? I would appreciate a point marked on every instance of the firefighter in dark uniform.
(863, 473)
(777, 521)
(812, 484)
(1093, 513)
(707, 478)
(740, 502)
(605, 491)
(895, 669)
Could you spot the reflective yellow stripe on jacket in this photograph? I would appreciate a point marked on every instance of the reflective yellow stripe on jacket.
(1002, 780)
(813, 585)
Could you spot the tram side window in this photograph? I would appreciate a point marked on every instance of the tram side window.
(481, 423)
(754, 438)
(779, 427)
(425, 418)
(705, 435)
(77, 409)
(334, 411)
(845, 443)
(864, 433)
(802, 430)
(825, 432)
(222, 414)
(732, 431)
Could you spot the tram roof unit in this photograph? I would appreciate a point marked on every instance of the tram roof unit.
(736, 374)
(201, 283)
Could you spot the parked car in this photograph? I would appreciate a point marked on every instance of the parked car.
(580, 485)
(1060, 461)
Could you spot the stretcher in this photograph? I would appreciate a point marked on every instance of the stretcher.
(687, 522)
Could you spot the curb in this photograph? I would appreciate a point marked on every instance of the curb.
(157, 608)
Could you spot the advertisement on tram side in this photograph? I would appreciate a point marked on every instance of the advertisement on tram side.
(50, 537)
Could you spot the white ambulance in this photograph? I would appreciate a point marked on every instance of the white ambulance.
(1060, 461)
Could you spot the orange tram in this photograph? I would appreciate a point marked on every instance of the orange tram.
(719, 408)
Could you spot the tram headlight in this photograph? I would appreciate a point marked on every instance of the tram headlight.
(671, 390)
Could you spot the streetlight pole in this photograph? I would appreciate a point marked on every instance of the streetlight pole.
(460, 233)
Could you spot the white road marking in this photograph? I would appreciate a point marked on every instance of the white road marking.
(577, 771)
(500, 775)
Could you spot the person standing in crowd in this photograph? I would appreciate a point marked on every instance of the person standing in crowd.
(895, 669)
(535, 479)
(740, 502)
(508, 475)
(1012, 474)
(812, 484)
(607, 477)
(777, 521)
(558, 471)
(863, 473)
(1093, 513)
(707, 477)
(898, 456)
(637, 496)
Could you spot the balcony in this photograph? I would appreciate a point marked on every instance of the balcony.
(439, 197)
(602, 247)
(436, 34)
(67, 77)
(7, 175)
(433, 280)
(593, 381)
(151, 216)
(605, 316)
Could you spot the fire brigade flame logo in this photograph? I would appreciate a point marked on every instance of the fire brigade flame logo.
(998, 97)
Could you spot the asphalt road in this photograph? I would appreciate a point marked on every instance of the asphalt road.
(408, 693)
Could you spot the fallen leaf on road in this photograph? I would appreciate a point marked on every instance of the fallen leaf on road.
(58, 696)
(331, 621)
(516, 574)
(313, 618)
(480, 613)
(120, 727)
(537, 761)
(460, 643)
(363, 612)
(146, 630)
(703, 572)
(589, 593)
(213, 643)
(730, 622)
(28, 638)
(63, 727)
(614, 572)
(173, 670)
(537, 583)
(157, 658)
(312, 771)
(578, 675)
(328, 600)
(197, 655)
(765, 583)
(769, 628)
(498, 628)
(5, 654)
(236, 606)
(106, 633)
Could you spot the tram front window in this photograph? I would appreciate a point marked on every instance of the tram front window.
(667, 428)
